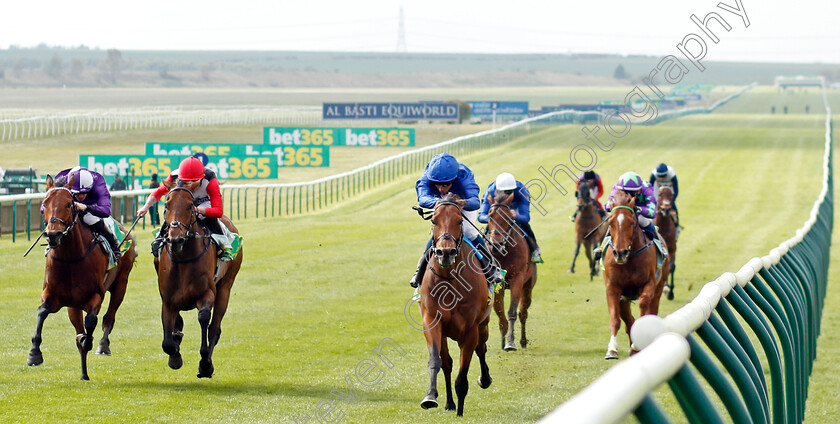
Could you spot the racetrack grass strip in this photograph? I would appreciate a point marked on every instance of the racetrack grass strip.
(317, 293)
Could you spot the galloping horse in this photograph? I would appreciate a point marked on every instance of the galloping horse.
(630, 270)
(186, 267)
(508, 245)
(76, 275)
(666, 219)
(453, 304)
(588, 219)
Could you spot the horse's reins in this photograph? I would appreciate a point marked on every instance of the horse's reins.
(633, 236)
(68, 227)
(494, 231)
(447, 236)
(189, 234)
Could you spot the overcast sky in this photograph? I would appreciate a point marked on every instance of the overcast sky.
(779, 31)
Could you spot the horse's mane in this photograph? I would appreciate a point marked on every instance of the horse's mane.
(500, 196)
(60, 181)
(450, 197)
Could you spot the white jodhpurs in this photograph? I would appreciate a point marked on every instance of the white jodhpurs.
(470, 232)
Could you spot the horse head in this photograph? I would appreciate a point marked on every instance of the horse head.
(59, 210)
(500, 220)
(623, 224)
(584, 193)
(665, 197)
(180, 213)
(447, 232)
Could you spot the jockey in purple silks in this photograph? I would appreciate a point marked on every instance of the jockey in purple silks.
(633, 184)
(90, 192)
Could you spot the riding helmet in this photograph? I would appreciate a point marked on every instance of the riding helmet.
(662, 170)
(83, 182)
(191, 169)
(629, 181)
(442, 168)
(505, 181)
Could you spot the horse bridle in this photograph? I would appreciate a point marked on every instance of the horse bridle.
(188, 234)
(53, 219)
(666, 211)
(447, 236)
(633, 234)
(506, 234)
(69, 227)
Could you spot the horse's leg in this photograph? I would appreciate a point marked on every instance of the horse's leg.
(117, 290)
(446, 365)
(499, 307)
(75, 315)
(515, 295)
(35, 356)
(171, 336)
(433, 342)
(484, 380)
(593, 266)
(205, 365)
(613, 295)
(574, 258)
(523, 307)
(627, 317)
(219, 308)
(462, 384)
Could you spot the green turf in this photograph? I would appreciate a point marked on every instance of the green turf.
(316, 294)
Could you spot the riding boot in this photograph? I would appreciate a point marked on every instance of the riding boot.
(421, 270)
(157, 243)
(534, 248)
(99, 227)
(214, 224)
(598, 251)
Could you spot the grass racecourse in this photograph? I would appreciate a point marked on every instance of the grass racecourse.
(318, 293)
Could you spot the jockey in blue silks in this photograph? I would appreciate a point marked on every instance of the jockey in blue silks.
(520, 205)
(443, 174)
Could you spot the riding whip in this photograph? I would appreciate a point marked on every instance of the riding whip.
(33, 244)
(595, 229)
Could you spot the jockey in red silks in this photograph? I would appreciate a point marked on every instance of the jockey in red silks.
(208, 197)
(596, 190)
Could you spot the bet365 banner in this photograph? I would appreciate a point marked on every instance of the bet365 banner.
(298, 136)
(285, 156)
(142, 167)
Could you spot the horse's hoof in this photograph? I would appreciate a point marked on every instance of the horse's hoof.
(85, 378)
(510, 347)
(632, 350)
(175, 362)
(670, 295)
(571, 271)
(481, 383)
(523, 343)
(35, 360)
(205, 371)
(429, 402)
(103, 350)
(450, 406)
(611, 354)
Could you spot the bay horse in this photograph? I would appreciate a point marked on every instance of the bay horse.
(666, 220)
(453, 304)
(508, 245)
(188, 277)
(76, 275)
(586, 222)
(630, 270)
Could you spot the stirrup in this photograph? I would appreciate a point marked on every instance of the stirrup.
(416, 296)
